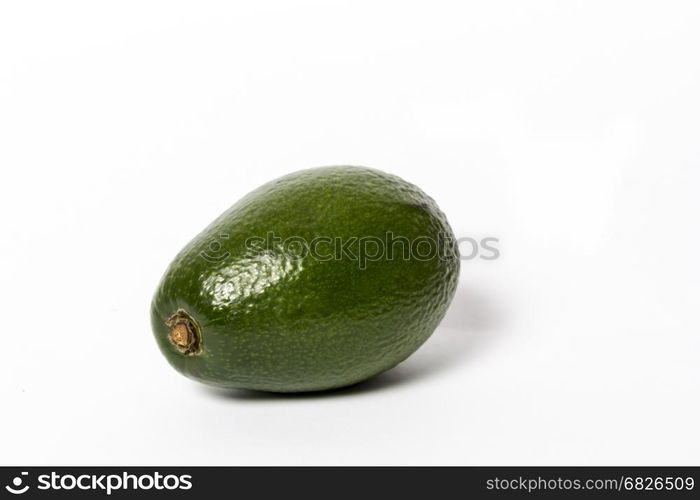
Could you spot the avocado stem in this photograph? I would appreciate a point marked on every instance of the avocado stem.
(184, 333)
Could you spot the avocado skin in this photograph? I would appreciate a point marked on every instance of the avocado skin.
(274, 322)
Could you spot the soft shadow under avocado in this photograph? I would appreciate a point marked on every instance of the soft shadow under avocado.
(470, 325)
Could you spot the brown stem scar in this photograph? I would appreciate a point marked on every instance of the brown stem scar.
(184, 332)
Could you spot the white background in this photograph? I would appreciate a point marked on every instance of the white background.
(568, 130)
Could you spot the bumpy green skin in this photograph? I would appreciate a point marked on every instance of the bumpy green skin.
(271, 320)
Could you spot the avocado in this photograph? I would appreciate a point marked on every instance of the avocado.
(316, 280)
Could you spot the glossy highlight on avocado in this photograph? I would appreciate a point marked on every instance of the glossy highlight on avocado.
(316, 280)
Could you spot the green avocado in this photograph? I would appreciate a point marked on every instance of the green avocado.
(316, 280)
